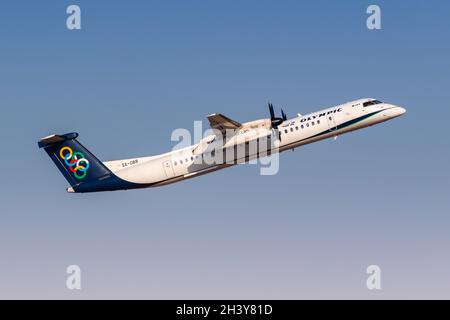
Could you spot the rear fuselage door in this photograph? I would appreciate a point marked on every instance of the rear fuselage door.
(167, 165)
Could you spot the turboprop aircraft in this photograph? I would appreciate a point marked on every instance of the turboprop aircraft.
(230, 143)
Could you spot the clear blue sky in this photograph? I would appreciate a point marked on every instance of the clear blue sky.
(137, 70)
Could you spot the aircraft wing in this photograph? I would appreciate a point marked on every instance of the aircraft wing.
(220, 122)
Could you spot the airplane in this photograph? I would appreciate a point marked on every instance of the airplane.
(230, 139)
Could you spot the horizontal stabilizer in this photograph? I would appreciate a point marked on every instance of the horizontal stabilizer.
(56, 138)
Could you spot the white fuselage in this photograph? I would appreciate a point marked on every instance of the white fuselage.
(183, 163)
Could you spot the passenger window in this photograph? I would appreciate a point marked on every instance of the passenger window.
(292, 129)
(285, 131)
(307, 124)
(312, 123)
(296, 128)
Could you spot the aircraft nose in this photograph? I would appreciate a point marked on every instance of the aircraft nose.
(401, 110)
(397, 111)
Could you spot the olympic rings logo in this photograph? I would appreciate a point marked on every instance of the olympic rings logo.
(75, 161)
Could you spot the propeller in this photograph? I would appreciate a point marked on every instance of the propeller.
(283, 115)
(276, 121)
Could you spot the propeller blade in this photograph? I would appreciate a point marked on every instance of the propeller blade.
(272, 113)
(283, 115)
(276, 121)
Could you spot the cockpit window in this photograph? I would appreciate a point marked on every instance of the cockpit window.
(370, 103)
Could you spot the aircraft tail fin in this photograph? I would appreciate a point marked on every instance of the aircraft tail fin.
(77, 164)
